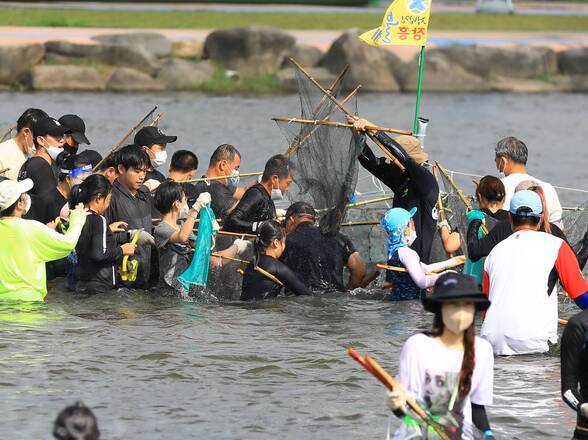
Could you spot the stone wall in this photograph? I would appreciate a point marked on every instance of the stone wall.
(147, 61)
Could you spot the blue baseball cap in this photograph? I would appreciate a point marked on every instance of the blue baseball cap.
(526, 199)
(397, 218)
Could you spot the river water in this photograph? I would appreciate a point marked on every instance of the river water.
(154, 367)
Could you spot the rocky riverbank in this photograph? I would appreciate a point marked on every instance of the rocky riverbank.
(254, 60)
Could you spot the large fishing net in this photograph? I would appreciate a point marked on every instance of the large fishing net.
(575, 223)
(325, 157)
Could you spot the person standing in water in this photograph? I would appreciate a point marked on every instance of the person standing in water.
(574, 370)
(266, 275)
(449, 371)
(410, 284)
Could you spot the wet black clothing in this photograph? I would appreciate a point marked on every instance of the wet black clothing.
(574, 367)
(46, 207)
(415, 187)
(98, 256)
(191, 193)
(317, 260)
(44, 179)
(136, 211)
(255, 206)
(222, 196)
(258, 286)
(479, 417)
(582, 251)
(155, 175)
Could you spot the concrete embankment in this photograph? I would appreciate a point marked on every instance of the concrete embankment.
(149, 61)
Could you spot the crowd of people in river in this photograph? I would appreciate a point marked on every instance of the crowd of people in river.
(103, 223)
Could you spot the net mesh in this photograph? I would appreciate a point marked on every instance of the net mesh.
(325, 157)
(575, 224)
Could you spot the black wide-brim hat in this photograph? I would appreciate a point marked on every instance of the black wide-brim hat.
(453, 287)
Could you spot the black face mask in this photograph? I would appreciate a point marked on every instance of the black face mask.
(69, 149)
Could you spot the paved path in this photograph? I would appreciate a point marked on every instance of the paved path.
(322, 39)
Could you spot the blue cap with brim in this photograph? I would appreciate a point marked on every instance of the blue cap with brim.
(526, 199)
(397, 218)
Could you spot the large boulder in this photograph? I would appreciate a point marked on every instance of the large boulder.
(153, 42)
(441, 75)
(573, 61)
(16, 61)
(288, 81)
(514, 62)
(181, 74)
(372, 67)
(251, 50)
(305, 54)
(116, 55)
(65, 78)
(188, 49)
(125, 79)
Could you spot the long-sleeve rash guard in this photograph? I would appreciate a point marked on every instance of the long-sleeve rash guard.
(255, 206)
(25, 247)
(259, 286)
(415, 187)
(574, 365)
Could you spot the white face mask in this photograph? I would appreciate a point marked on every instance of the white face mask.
(54, 152)
(184, 211)
(32, 151)
(28, 203)
(160, 159)
(411, 238)
(276, 194)
(458, 317)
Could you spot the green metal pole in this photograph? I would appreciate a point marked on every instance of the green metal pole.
(415, 125)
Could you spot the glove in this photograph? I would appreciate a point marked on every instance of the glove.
(583, 410)
(145, 238)
(475, 214)
(202, 200)
(443, 224)
(242, 245)
(152, 184)
(215, 226)
(396, 400)
(280, 213)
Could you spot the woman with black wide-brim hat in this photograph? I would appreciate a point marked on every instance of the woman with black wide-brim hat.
(449, 370)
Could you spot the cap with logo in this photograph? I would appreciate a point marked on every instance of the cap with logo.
(48, 126)
(526, 203)
(148, 136)
(454, 287)
(11, 190)
(75, 126)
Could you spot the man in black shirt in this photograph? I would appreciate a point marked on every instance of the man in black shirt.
(414, 187)
(574, 370)
(257, 204)
(75, 133)
(182, 167)
(154, 142)
(316, 259)
(225, 161)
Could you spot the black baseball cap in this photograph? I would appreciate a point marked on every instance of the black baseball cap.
(48, 126)
(300, 208)
(453, 286)
(91, 156)
(75, 126)
(148, 136)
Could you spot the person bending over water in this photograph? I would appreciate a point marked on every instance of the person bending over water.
(265, 276)
(97, 251)
(448, 371)
(574, 370)
(401, 235)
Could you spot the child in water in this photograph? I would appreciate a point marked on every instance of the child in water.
(448, 371)
(401, 234)
(265, 276)
(96, 250)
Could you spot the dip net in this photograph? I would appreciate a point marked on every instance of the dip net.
(325, 157)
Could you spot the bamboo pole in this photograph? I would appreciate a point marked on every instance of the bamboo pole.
(460, 193)
(3, 170)
(156, 119)
(335, 124)
(238, 260)
(125, 137)
(367, 223)
(208, 179)
(362, 203)
(231, 234)
(295, 146)
(440, 208)
(264, 272)
(402, 269)
(348, 113)
(7, 133)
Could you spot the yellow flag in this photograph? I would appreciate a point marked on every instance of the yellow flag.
(405, 23)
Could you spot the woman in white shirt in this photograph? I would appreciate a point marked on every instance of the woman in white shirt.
(448, 371)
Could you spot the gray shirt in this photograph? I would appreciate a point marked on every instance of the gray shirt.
(174, 258)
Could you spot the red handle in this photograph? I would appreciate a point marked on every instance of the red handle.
(355, 355)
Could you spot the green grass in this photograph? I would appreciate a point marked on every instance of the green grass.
(220, 84)
(311, 21)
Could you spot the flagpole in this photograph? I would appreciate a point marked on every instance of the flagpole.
(415, 125)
